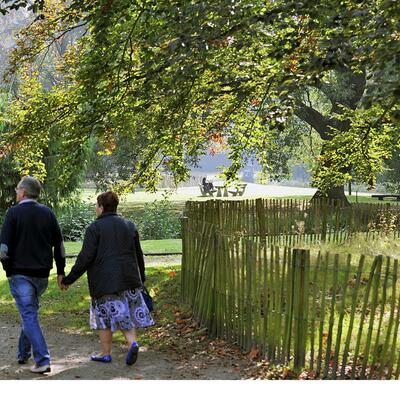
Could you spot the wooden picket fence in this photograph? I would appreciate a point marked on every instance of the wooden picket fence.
(337, 315)
(289, 222)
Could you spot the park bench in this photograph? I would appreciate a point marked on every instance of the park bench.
(205, 191)
(387, 196)
(239, 190)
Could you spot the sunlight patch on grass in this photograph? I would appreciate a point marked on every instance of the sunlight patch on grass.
(148, 246)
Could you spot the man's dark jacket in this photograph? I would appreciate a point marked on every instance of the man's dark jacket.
(111, 255)
(29, 234)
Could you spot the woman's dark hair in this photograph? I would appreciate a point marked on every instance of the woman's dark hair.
(109, 201)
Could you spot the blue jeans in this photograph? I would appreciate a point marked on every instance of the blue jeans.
(26, 291)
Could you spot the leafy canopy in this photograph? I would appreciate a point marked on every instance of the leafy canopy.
(171, 76)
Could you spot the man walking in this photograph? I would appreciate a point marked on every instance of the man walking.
(28, 236)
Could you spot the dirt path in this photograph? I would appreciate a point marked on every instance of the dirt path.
(70, 353)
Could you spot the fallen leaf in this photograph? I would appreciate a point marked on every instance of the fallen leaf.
(253, 355)
(187, 330)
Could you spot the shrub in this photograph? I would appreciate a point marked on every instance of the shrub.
(74, 219)
(158, 220)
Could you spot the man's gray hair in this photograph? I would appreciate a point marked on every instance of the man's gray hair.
(31, 186)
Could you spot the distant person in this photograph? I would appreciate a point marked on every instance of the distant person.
(113, 259)
(208, 186)
(29, 234)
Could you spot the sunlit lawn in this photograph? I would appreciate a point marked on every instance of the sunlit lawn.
(69, 310)
(148, 246)
(137, 200)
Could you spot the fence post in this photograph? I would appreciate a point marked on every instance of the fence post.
(324, 207)
(301, 268)
(262, 231)
(184, 273)
(213, 283)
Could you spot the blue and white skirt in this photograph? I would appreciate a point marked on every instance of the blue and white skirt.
(124, 311)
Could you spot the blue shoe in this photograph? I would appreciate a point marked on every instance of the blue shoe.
(104, 359)
(132, 355)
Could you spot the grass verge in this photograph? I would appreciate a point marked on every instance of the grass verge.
(148, 246)
(70, 309)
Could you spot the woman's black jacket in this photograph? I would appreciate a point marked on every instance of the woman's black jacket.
(111, 255)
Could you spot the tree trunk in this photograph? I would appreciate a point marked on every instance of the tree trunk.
(335, 194)
(354, 83)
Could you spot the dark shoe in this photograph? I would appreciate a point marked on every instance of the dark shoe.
(22, 361)
(132, 354)
(104, 359)
(40, 369)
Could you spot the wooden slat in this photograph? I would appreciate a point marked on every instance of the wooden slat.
(382, 303)
(345, 284)
(331, 316)
(352, 313)
(363, 314)
(322, 313)
(384, 355)
(313, 315)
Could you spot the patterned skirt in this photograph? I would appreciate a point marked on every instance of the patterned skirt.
(124, 311)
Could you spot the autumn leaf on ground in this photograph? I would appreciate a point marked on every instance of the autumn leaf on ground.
(188, 329)
(253, 355)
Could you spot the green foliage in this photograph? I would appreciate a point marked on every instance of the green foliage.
(159, 220)
(74, 219)
(38, 143)
(113, 162)
(390, 178)
(9, 180)
(371, 143)
(8, 176)
(174, 76)
(10, 5)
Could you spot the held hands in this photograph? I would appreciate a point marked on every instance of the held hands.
(60, 284)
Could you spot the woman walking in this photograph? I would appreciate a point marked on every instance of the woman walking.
(113, 259)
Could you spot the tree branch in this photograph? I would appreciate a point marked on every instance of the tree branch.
(313, 118)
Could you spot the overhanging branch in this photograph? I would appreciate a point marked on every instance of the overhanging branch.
(313, 118)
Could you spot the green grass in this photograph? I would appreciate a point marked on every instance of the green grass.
(69, 310)
(71, 306)
(369, 199)
(148, 246)
(141, 196)
(356, 245)
(385, 246)
(136, 201)
(72, 247)
(162, 246)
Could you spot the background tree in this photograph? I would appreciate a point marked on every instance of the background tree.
(38, 90)
(390, 178)
(8, 175)
(177, 74)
